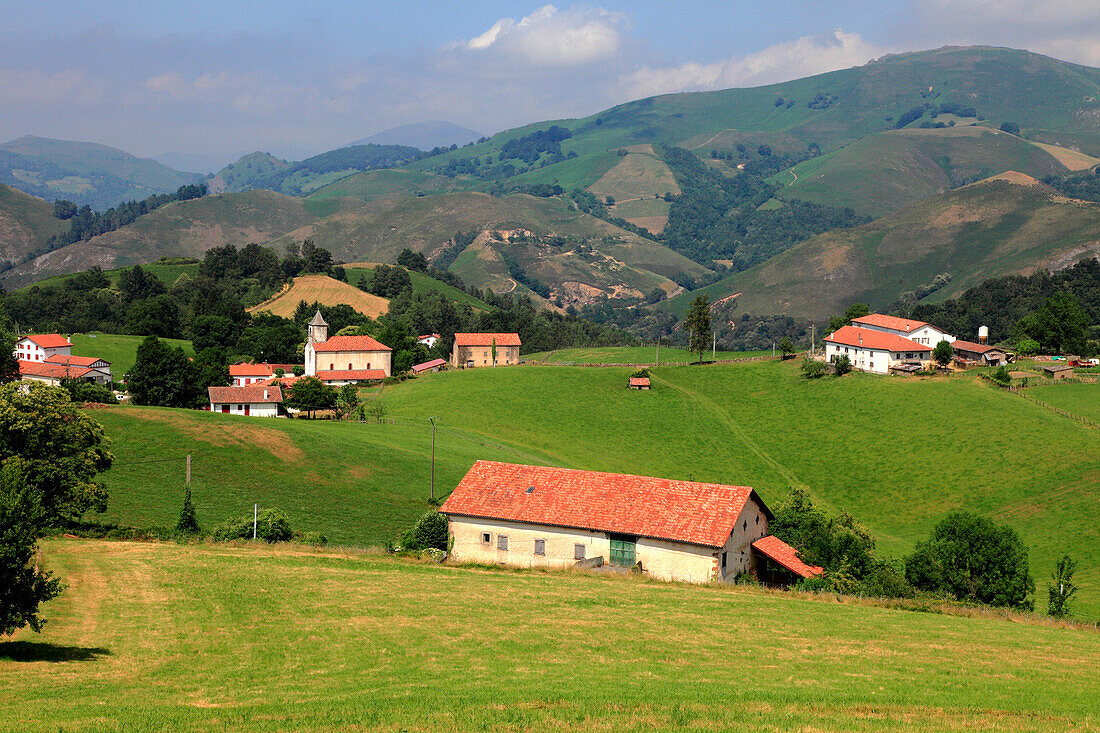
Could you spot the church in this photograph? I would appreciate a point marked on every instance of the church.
(344, 359)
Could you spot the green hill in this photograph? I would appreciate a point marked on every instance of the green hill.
(119, 349)
(987, 229)
(887, 171)
(85, 173)
(245, 173)
(392, 183)
(184, 229)
(910, 451)
(421, 283)
(218, 637)
(26, 223)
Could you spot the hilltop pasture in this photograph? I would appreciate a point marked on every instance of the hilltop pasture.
(324, 290)
(153, 636)
(896, 453)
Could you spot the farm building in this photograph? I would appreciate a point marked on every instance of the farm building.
(477, 349)
(59, 368)
(873, 350)
(344, 359)
(556, 517)
(40, 347)
(968, 353)
(254, 400)
(429, 366)
(638, 383)
(917, 331)
(429, 339)
(246, 374)
(1057, 371)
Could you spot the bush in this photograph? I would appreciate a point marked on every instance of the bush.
(643, 372)
(1027, 347)
(842, 364)
(812, 369)
(943, 353)
(1001, 376)
(313, 538)
(431, 531)
(187, 523)
(272, 525)
(80, 391)
(815, 584)
(887, 580)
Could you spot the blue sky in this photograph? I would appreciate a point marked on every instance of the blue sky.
(220, 79)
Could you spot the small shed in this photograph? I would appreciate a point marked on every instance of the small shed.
(1057, 371)
(639, 383)
(429, 366)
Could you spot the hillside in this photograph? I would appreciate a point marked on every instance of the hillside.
(421, 283)
(246, 172)
(882, 173)
(392, 183)
(324, 290)
(755, 423)
(85, 173)
(119, 349)
(423, 135)
(26, 223)
(255, 638)
(186, 229)
(987, 229)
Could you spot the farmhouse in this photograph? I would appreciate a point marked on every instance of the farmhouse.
(246, 374)
(255, 400)
(968, 352)
(429, 366)
(40, 347)
(86, 369)
(428, 340)
(556, 517)
(344, 359)
(873, 350)
(485, 349)
(918, 331)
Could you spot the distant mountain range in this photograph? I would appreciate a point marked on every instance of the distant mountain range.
(942, 149)
(423, 135)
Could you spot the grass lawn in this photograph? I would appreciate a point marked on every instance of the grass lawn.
(119, 349)
(632, 355)
(1076, 397)
(170, 637)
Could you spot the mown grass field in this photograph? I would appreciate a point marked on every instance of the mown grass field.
(119, 349)
(896, 453)
(632, 355)
(170, 637)
(324, 290)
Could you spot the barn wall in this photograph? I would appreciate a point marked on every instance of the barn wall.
(482, 356)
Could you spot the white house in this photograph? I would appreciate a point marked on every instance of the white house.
(873, 350)
(555, 517)
(40, 347)
(918, 331)
(428, 339)
(246, 374)
(59, 368)
(254, 400)
(344, 359)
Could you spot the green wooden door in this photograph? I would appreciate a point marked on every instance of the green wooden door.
(622, 550)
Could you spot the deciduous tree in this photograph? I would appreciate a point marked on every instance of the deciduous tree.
(697, 324)
(23, 585)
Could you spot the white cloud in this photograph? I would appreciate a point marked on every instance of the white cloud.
(782, 61)
(551, 37)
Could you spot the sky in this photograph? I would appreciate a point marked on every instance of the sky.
(214, 80)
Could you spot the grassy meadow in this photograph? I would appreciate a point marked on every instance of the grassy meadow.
(1078, 398)
(896, 453)
(119, 349)
(197, 637)
(632, 355)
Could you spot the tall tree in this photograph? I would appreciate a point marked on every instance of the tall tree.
(1062, 588)
(697, 323)
(163, 375)
(9, 365)
(310, 394)
(23, 585)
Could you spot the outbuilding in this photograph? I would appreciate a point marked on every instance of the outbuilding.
(638, 383)
(253, 401)
(429, 366)
(485, 349)
(530, 516)
(1057, 371)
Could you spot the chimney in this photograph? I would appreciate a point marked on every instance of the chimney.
(265, 394)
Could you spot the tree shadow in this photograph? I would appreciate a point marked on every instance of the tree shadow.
(38, 651)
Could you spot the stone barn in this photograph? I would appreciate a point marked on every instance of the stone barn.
(485, 349)
(530, 516)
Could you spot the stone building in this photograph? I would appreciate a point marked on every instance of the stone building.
(344, 359)
(477, 349)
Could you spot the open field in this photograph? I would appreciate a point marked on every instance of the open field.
(632, 355)
(421, 284)
(167, 270)
(896, 453)
(326, 291)
(1077, 398)
(170, 637)
(119, 349)
(636, 175)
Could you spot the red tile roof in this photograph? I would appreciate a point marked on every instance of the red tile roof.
(351, 343)
(257, 370)
(49, 340)
(639, 381)
(486, 339)
(865, 338)
(417, 368)
(786, 556)
(284, 381)
(959, 344)
(84, 361)
(52, 371)
(350, 375)
(252, 394)
(682, 511)
(894, 323)
(429, 336)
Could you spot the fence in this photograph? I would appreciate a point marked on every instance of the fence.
(1020, 391)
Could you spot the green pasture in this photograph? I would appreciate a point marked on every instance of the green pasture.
(633, 355)
(1076, 397)
(423, 284)
(119, 349)
(211, 638)
(167, 270)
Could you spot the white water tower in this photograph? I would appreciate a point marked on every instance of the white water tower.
(983, 334)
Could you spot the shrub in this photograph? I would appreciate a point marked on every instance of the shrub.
(431, 531)
(313, 538)
(272, 525)
(80, 391)
(1001, 376)
(813, 585)
(643, 372)
(1027, 347)
(187, 523)
(887, 580)
(842, 364)
(812, 369)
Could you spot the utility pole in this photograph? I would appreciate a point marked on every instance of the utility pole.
(255, 514)
(813, 345)
(432, 420)
(713, 345)
(189, 470)
(658, 349)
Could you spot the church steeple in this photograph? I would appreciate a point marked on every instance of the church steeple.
(318, 329)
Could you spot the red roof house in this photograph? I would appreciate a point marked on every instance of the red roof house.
(350, 343)
(485, 349)
(780, 552)
(254, 400)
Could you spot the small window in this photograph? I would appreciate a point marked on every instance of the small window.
(502, 542)
(758, 519)
(724, 562)
(485, 537)
(745, 524)
(578, 552)
(540, 547)
(349, 366)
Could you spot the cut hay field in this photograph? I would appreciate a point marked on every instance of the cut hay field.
(896, 453)
(119, 349)
(324, 290)
(205, 638)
